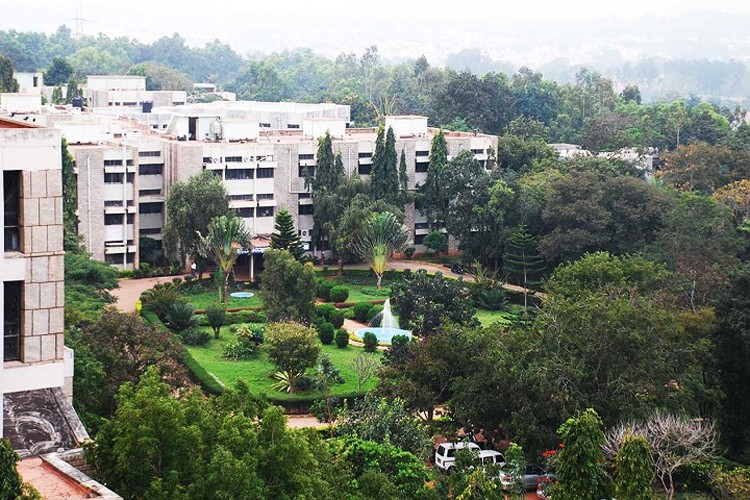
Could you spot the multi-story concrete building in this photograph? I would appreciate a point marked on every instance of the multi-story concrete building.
(126, 165)
(101, 91)
(33, 354)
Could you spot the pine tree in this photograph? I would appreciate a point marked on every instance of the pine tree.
(327, 174)
(7, 82)
(57, 97)
(403, 180)
(71, 239)
(11, 485)
(522, 262)
(384, 183)
(285, 237)
(435, 204)
(338, 175)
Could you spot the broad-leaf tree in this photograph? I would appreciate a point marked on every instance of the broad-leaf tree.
(287, 287)
(293, 348)
(191, 206)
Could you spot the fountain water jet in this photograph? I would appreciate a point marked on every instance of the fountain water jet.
(384, 325)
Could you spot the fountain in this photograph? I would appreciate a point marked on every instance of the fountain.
(388, 326)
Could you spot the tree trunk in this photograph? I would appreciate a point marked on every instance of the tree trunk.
(380, 280)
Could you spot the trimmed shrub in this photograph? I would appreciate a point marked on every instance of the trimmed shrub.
(337, 319)
(325, 311)
(409, 251)
(324, 289)
(194, 336)
(342, 338)
(304, 383)
(371, 342)
(339, 294)
(325, 333)
(362, 311)
(237, 350)
(374, 292)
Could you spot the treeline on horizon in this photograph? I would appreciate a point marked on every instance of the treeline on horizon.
(591, 109)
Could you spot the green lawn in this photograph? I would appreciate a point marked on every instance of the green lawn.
(201, 298)
(487, 318)
(256, 372)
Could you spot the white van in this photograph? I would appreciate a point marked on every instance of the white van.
(445, 455)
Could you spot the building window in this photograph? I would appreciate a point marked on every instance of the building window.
(149, 230)
(145, 154)
(264, 125)
(292, 125)
(305, 209)
(113, 203)
(12, 210)
(422, 153)
(265, 196)
(364, 169)
(421, 225)
(149, 192)
(246, 212)
(155, 169)
(265, 173)
(112, 219)
(12, 320)
(150, 208)
(304, 196)
(240, 197)
(421, 167)
(478, 151)
(131, 178)
(113, 178)
(112, 163)
(262, 158)
(265, 211)
(302, 169)
(233, 159)
(113, 259)
(307, 156)
(364, 155)
(238, 174)
(419, 239)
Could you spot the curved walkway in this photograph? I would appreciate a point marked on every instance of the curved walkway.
(130, 290)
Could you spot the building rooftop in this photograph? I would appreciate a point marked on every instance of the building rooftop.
(11, 123)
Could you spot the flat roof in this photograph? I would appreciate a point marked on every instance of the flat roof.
(11, 123)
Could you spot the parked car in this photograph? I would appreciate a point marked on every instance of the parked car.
(532, 476)
(445, 455)
(491, 457)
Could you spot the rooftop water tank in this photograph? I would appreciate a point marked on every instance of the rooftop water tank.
(147, 106)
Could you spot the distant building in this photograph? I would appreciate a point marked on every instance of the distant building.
(101, 91)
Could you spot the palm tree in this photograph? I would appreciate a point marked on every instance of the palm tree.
(226, 235)
(380, 236)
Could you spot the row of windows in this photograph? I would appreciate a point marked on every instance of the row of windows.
(116, 219)
(247, 212)
(310, 156)
(149, 192)
(145, 154)
(117, 163)
(149, 230)
(237, 159)
(154, 169)
(117, 178)
(117, 258)
(265, 196)
(151, 208)
(241, 197)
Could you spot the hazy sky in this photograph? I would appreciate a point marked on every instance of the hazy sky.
(538, 28)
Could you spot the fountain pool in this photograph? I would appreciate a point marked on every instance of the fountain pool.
(388, 326)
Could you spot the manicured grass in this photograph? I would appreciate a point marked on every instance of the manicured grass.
(504, 317)
(255, 372)
(202, 298)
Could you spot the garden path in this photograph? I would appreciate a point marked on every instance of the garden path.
(131, 289)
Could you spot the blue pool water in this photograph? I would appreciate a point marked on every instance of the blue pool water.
(383, 334)
(241, 295)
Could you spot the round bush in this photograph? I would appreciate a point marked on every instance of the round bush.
(339, 294)
(362, 311)
(337, 319)
(304, 383)
(324, 311)
(342, 338)
(371, 342)
(324, 289)
(325, 333)
(193, 336)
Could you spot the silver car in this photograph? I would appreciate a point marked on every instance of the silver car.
(532, 476)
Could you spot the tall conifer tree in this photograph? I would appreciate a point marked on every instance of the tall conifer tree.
(285, 237)
(435, 199)
(522, 262)
(384, 183)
